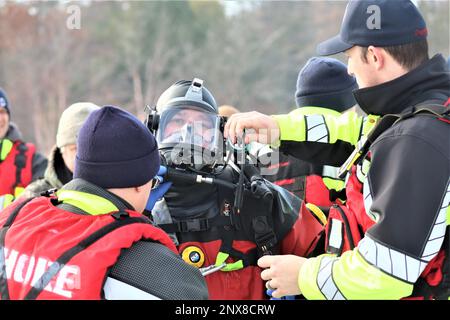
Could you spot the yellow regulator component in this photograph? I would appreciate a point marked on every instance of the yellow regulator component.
(194, 256)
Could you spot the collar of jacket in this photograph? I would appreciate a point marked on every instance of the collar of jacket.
(431, 80)
(13, 133)
(6, 146)
(56, 173)
(81, 196)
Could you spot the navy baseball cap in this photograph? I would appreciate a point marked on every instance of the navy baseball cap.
(380, 23)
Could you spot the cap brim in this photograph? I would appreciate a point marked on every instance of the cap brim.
(332, 46)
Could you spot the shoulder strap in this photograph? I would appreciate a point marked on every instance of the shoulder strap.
(428, 107)
(122, 219)
(4, 292)
(196, 225)
(20, 163)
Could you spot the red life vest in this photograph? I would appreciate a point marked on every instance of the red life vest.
(16, 169)
(347, 224)
(42, 234)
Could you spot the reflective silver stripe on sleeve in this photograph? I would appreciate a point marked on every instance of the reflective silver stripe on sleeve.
(325, 280)
(398, 264)
(391, 261)
(118, 290)
(316, 129)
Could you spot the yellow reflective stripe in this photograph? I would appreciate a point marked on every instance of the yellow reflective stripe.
(345, 127)
(222, 257)
(357, 279)
(6, 200)
(87, 202)
(6, 148)
(333, 184)
(307, 278)
(317, 212)
(18, 191)
(448, 215)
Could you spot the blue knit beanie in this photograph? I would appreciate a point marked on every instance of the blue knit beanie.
(116, 150)
(324, 82)
(4, 101)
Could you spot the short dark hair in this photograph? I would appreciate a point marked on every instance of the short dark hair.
(410, 55)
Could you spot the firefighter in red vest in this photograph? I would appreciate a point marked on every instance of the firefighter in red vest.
(89, 239)
(391, 238)
(20, 164)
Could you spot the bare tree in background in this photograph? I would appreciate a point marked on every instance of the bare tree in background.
(128, 52)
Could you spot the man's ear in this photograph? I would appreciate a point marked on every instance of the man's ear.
(376, 57)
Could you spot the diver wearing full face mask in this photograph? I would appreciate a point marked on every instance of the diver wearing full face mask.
(212, 230)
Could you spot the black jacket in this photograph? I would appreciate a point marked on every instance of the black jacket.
(408, 182)
(407, 187)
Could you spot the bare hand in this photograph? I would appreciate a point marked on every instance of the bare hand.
(282, 274)
(259, 127)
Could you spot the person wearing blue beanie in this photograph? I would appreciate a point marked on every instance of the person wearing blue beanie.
(325, 82)
(115, 150)
(95, 223)
(4, 101)
(323, 85)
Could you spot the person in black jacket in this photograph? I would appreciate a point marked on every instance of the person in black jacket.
(390, 240)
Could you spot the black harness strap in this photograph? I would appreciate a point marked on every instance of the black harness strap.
(196, 225)
(4, 292)
(20, 162)
(428, 107)
(334, 195)
(265, 238)
(56, 266)
(248, 259)
(389, 120)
